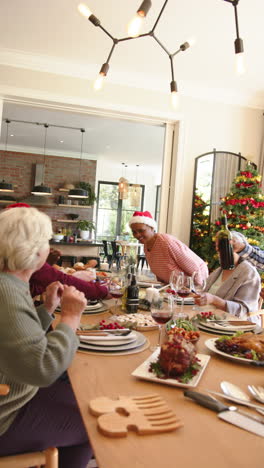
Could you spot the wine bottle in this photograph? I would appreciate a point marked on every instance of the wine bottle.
(225, 248)
(132, 296)
(124, 297)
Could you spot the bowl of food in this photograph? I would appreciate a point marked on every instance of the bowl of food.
(57, 237)
(73, 216)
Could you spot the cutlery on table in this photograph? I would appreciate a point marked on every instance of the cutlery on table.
(234, 391)
(230, 414)
(257, 392)
(230, 322)
(258, 408)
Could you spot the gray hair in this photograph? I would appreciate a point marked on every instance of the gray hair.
(23, 232)
(239, 236)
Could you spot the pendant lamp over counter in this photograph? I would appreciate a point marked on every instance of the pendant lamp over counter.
(79, 192)
(6, 186)
(42, 190)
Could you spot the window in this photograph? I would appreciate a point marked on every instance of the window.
(113, 214)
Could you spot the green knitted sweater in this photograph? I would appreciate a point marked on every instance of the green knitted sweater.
(29, 358)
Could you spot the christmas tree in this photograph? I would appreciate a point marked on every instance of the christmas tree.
(200, 224)
(244, 208)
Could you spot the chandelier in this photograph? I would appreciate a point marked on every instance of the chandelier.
(133, 31)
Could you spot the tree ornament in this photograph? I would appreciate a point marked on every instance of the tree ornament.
(248, 225)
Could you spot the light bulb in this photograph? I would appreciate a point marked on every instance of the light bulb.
(98, 84)
(174, 99)
(84, 10)
(240, 63)
(134, 26)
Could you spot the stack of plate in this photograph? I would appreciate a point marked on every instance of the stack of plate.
(112, 343)
(225, 328)
(92, 308)
(186, 300)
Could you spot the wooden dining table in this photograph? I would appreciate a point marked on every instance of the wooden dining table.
(203, 441)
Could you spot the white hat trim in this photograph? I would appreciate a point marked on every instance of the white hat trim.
(143, 219)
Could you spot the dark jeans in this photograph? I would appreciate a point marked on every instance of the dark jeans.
(50, 419)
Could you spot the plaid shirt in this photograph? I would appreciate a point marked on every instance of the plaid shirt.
(254, 255)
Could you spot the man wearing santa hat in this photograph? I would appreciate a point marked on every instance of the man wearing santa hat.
(165, 253)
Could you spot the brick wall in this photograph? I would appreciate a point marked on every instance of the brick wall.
(19, 169)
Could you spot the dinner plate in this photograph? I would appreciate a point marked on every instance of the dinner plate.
(210, 344)
(142, 372)
(231, 328)
(92, 309)
(214, 331)
(110, 340)
(148, 284)
(140, 340)
(186, 300)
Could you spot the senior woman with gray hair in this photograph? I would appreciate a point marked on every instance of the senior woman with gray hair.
(234, 291)
(40, 410)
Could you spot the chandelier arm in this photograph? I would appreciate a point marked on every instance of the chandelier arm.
(107, 33)
(128, 38)
(172, 68)
(175, 53)
(111, 52)
(158, 18)
(236, 20)
(160, 44)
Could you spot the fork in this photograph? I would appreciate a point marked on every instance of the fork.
(102, 405)
(257, 392)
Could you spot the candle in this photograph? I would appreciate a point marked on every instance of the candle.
(104, 266)
(149, 293)
(156, 295)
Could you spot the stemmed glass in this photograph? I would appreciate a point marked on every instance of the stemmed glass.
(183, 289)
(161, 312)
(116, 287)
(198, 286)
(173, 283)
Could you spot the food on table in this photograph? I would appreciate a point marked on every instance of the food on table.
(245, 345)
(78, 266)
(102, 325)
(177, 359)
(204, 316)
(136, 321)
(181, 323)
(191, 336)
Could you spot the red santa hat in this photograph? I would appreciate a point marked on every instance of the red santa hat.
(18, 205)
(143, 217)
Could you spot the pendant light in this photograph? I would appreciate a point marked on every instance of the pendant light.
(135, 192)
(5, 186)
(79, 192)
(42, 189)
(123, 186)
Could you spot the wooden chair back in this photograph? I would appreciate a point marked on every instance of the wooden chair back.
(48, 457)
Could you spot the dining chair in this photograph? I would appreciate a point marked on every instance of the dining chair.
(48, 457)
(116, 255)
(107, 255)
(141, 259)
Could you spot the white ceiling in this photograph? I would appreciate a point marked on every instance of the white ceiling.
(52, 36)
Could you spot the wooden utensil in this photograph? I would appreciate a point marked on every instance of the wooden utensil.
(152, 421)
(144, 414)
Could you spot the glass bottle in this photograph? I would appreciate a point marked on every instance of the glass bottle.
(124, 297)
(225, 248)
(132, 296)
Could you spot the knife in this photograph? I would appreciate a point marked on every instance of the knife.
(237, 400)
(228, 413)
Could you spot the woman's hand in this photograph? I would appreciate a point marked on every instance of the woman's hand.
(73, 303)
(207, 298)
(53, 296)
(203, 299)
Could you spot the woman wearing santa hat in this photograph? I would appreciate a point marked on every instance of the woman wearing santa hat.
(164, 253)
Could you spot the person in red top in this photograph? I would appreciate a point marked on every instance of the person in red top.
(47, 274)
(165, 253)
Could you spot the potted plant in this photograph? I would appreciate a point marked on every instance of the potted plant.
(90, 200)
(86, 227)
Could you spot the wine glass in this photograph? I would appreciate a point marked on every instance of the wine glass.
(116, 287)
(161, 312)
(183, 289)
(173, 283)
(198, 286)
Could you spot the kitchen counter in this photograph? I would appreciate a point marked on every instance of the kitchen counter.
(78, 249)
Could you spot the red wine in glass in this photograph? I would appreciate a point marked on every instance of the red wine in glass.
(161, 312)
(117, 294)
(183, 293)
